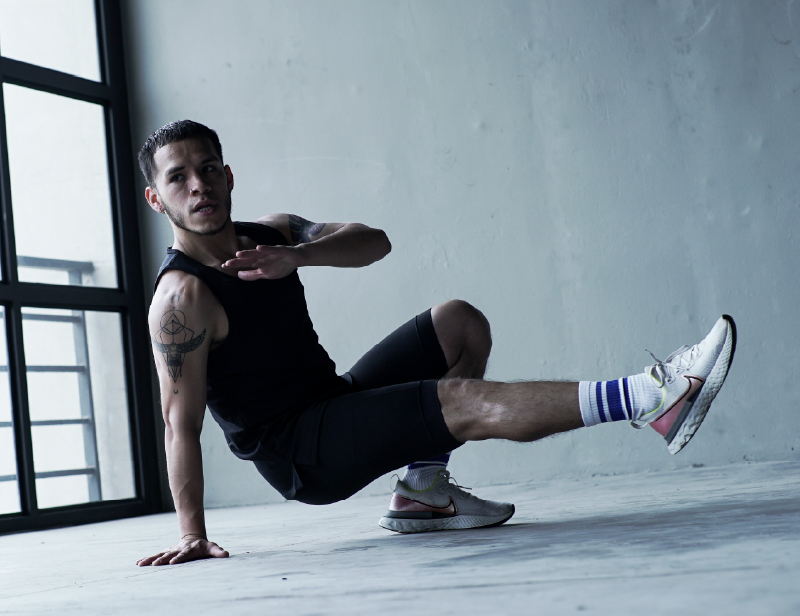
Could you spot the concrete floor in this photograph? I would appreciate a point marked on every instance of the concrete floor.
(700, 541)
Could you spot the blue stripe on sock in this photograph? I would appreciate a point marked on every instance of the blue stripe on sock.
(441, 460)
(414, 465)
(599, 398)
(614, 401)
(628, 405)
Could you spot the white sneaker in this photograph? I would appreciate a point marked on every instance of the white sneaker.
(442, 506)
(689, 380)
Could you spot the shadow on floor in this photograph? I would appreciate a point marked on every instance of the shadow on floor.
(705, 526)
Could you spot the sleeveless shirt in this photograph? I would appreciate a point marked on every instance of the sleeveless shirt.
(270, 367)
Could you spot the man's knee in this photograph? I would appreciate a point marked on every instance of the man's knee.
(457, 319)
(464, 411)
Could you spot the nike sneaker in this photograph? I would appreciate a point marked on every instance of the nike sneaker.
(445, 505)
(689, 380)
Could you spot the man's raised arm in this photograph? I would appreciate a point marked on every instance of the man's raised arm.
(182, 328)
(333, 244)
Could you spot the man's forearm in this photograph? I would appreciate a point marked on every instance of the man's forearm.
(185, 468)
(354, 245)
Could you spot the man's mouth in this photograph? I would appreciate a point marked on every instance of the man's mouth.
(203, 206)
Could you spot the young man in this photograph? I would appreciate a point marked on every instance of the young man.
(230, 330)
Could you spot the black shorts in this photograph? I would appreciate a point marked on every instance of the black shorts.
(389, 416)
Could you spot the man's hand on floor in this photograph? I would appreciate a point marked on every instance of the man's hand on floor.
(189, 548)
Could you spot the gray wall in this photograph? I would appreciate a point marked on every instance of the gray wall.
(597, 177)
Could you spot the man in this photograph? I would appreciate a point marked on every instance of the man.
(231, 331)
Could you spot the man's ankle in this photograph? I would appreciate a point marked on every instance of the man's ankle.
(421, 475)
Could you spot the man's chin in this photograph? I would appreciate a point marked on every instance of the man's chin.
(180, 223)
(214, 231)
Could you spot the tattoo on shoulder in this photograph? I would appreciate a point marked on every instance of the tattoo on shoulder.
(174, 340)
(303, 230)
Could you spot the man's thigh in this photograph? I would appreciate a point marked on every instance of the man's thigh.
(410, 353)
(366, 434)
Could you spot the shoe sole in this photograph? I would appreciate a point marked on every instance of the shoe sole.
(685, 426)
(457, 522)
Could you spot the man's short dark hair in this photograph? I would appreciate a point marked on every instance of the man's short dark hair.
(170, 133)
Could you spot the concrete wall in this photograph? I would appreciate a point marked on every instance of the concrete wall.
(597, 177)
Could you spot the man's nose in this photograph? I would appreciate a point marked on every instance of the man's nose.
(197, 185)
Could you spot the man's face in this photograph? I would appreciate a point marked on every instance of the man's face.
(193, 188)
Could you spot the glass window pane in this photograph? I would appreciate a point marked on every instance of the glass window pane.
(78, 406)
(60, 491)
(9, 490)
(58, 448)
(59, 189)
(57, 34)
(53, 395)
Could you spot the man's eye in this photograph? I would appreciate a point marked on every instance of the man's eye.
(176, 178)
(210, 168)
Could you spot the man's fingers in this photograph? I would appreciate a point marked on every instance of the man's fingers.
(251, 275)
(198, 551)
(191, 552)
(183, 552)
(167, 556)
(251, 262)
(261, 256)
(244, 262)
(268, 273)
(260, 251)
(143, 562)
(181, 557)
(250, 253)
(163, 559)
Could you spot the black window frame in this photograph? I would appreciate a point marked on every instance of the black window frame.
(128, 299)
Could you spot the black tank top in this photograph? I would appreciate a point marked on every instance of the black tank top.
(271, 366)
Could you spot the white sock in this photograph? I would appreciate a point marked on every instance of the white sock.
(620, 400)
(420, 475)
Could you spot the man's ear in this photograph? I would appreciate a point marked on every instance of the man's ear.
(153, 201)
(229, 175)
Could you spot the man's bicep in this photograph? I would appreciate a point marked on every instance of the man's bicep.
(181, 343)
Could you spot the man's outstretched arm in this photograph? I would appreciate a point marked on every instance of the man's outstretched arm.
(181, 333)
(332, 244)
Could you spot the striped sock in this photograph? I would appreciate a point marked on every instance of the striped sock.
(620, 400)
(420, 475)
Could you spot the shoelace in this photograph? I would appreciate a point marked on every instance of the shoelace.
(460, 490)
(448, 479)
(664, 371)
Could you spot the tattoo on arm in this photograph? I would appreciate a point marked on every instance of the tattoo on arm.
(303, 230)
(174, 340)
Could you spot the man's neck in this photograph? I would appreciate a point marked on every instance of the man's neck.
(211, 250)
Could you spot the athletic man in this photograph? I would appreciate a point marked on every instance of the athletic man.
(230, 330)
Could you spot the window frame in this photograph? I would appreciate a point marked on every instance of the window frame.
(127, 299)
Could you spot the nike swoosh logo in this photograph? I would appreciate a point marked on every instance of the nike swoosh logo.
(404, 504)
(663, 424)
(451, 508)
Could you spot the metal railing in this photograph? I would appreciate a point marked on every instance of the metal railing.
(75, 271)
